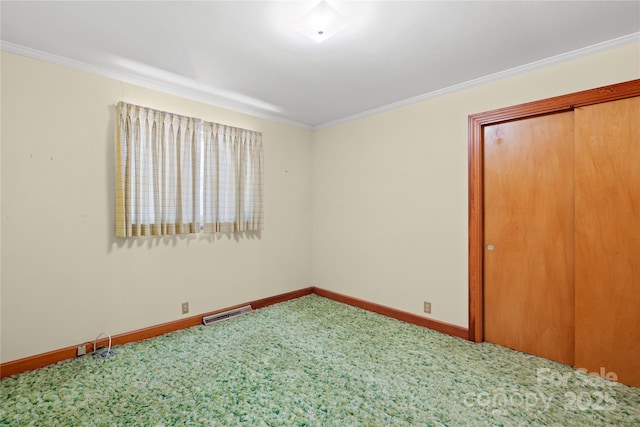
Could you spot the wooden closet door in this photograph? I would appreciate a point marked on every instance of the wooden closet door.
(607, 156)
(529, 220)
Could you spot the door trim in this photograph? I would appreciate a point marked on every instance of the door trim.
(476, 175)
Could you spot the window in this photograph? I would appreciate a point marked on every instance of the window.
(177, 175)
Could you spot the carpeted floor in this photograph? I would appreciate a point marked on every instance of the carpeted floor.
(313, 362)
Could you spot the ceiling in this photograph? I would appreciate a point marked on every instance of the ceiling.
(245, 55)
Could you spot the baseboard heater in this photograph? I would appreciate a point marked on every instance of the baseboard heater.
(224, 315)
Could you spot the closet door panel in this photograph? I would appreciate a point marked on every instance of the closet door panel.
(528, 269)
(607, 242)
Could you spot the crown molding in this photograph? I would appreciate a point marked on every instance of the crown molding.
(149, 83)
(564, 57)
(201, 96)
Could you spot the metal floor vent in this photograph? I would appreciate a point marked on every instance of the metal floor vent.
(219, 317)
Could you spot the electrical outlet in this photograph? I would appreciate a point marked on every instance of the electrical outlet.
(427, 307)
(82, 350)
(185, 307)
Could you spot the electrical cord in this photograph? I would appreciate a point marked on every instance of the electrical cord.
(103, 353)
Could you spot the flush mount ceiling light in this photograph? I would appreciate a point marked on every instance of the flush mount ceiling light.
(321, 22)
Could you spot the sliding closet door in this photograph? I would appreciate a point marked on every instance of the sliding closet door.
(607, 259)
(529, 235)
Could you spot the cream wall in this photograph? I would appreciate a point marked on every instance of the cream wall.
(65, 277)
(390, 190)
(387, 195)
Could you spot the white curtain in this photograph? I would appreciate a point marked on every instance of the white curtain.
(157, 173)
(232, 179)
(177, 174)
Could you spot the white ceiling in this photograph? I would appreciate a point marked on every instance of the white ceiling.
(245, 55)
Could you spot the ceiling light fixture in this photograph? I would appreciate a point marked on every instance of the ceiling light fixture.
(321, 22)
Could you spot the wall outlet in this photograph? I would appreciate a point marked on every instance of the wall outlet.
(82, 350)
(185, 307)
(427, 307)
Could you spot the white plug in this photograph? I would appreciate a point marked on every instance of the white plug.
(82, 350)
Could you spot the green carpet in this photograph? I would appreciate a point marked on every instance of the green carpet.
(313, 362)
